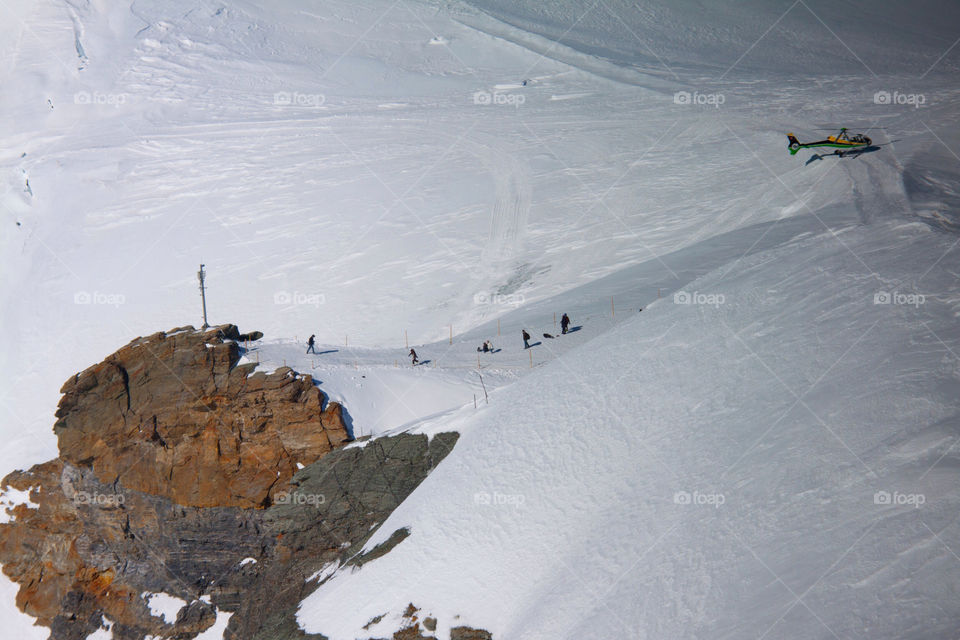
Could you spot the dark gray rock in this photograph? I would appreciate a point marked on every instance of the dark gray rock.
(101, 545)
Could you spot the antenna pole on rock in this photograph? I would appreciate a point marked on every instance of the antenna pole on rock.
(201, 276)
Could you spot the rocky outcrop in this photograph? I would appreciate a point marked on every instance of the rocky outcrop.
(178, 475)
(91, 550)
(416, 626)
(174, 415)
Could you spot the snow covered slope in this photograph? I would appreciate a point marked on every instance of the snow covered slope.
(705, 471)
(381, 173)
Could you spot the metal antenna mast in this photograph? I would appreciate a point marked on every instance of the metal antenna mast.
(201, 275)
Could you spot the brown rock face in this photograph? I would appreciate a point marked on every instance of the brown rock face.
(85, 552)
(174, 415)
(178, 475)
(66, 562)
(416, 629)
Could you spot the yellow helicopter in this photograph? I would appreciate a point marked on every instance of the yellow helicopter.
(842, 140)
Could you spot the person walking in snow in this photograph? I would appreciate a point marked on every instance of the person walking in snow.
(310, 343)
(564, 323)
(413, 357)
(526, 339)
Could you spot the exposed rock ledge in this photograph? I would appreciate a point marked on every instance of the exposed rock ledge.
(178, 475)
(173, 415)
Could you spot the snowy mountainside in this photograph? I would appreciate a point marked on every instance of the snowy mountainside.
(695, 472)
(434, 174)
(747, 40)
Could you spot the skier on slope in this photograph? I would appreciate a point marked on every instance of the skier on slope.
(310, 344)
(413, 357)
(526, 339)
(564, 323)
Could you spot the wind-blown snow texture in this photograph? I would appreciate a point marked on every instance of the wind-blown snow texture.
(773, 460)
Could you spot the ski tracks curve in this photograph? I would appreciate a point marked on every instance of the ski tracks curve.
(510, 211)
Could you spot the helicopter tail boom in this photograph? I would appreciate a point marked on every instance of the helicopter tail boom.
(794, 145)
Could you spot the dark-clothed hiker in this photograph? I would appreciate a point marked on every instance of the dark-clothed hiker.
(564, 323)
(413, 357)
(526, 339)
(310, 344)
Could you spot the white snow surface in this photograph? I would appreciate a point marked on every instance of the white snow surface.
(766, 451)
(101, 634)
(216, 632)
(163, 605)
(10, 498)
(105, 632)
